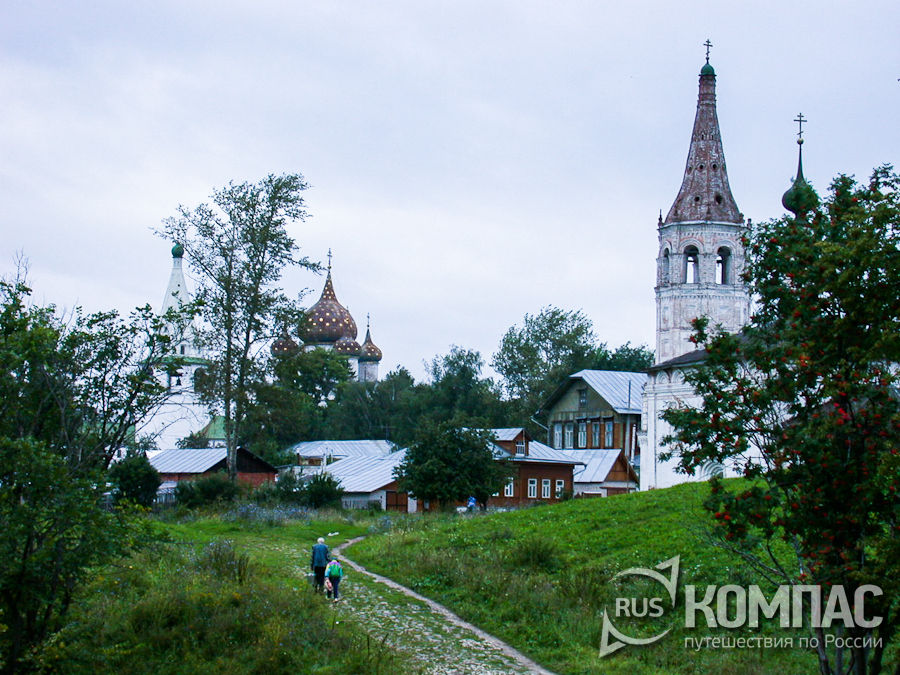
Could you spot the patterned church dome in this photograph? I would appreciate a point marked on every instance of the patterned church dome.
(347, 346)
(369, 352)
(284, 345)
(327, 320)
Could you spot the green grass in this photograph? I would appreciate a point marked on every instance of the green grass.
(540, 580)
(218, 595)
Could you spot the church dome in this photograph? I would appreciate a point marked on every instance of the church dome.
(369, 352)
(347, 346)
(327, 320)
(177, 251)
(801, 197)
(284, 346)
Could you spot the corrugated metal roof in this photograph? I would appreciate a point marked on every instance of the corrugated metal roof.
(537, 452)
(365, 474)
(613, 386)
(508, 434)
(597, 464)
(343, 449)
(188, 460)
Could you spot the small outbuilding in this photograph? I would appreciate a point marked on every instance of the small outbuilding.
(186, 464)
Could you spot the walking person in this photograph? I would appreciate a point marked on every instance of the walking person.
(319, 562)
(334, 573)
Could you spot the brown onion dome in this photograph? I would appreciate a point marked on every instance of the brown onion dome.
(284, 346)
(369, 352)
(327, 320)
(347, 346)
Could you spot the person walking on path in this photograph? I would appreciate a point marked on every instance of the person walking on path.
(319, 562)
(334, 573)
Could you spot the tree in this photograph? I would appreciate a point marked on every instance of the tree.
(448, 463)
(71, 391)
(534, 359)
(135, 480)
(458, 391)
(805, 401)
(239, 248)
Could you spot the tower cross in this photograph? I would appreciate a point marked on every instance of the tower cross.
(800, 119)
(329, 259)
(707, 44)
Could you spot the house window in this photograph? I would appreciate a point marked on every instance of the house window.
(545, 488)
(582, 434)
(560, 488)
(595, 434)
(557, 435)
(510, 489)
(608, 434)
(570, 434)
(520, 447)
(532, 488)
(582, 398)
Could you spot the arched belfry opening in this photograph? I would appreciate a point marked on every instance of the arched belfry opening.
(666, 266)
(723, 266)
(691, 265)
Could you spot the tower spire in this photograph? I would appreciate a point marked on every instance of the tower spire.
(705, 194)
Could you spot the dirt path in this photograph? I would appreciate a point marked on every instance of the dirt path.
(439, 641)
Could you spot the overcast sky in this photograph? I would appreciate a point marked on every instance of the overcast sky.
(469, 162)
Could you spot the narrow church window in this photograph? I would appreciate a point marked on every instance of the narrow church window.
(182, 350)
(664, 279)
(718, 199)
(723, 266)
(692, 265)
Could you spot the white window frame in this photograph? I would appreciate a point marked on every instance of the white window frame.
(545, 488)
(582, 434)
(520, 447)
(532, 488)
(570, 434)
(510, 489)
(609, 433)
(595, 434)
(560, 487)
(557, 435)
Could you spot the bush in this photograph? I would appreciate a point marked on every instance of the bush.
(135, 480)
(323, 490)
(216, 487)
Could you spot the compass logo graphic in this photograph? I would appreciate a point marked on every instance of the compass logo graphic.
(612, 639)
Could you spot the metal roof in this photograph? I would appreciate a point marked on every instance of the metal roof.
(365, 474)
(597, 464)
(613, 386)
(537, 452)
(507, 434)
(187, 460)
(343, 449)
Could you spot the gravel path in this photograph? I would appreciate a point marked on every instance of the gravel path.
(438, 641)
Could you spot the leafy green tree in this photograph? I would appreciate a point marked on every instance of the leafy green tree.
(805, 401)
(448, 463)
(205, 490)
(534, 359)
(322, 490)
(458, 391)
(239, 247)
(135, 480)
(71, 391)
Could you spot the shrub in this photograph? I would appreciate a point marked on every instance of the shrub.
(323, 490)
(536, 553)
(135, 480)
(216, 487)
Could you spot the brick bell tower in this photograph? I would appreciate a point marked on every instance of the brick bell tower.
(701, 256)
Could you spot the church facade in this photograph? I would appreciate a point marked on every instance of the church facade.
(699, 273)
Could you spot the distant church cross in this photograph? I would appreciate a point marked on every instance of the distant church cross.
(800, 119)
(707, 44)
(329, 260)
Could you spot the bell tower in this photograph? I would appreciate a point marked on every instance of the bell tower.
(701, 255)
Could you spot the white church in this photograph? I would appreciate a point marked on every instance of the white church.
(699, 267)
(327, 325)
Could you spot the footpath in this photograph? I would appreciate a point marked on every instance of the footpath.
(437, 640)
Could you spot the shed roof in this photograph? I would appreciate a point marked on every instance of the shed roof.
(343, 449)
(187, 460)
(366, 473)
(622, 390)
(597, 464)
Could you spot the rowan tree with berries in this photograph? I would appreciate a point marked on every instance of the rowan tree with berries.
(805, 401)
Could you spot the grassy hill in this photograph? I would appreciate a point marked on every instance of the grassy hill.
(540, 579)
